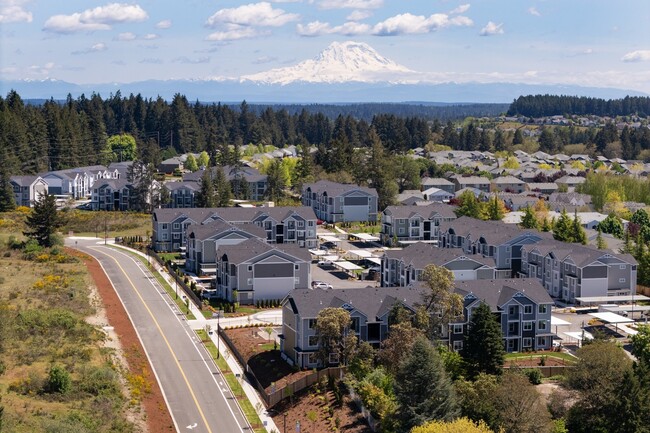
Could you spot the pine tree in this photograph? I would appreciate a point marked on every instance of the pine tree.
(578, 235)
(528, 219)
(44, 220)
(422, 388)
(222, 188)
(206, 196)
(601, 244)
(562, 228)
(7, 200)
(483, 348)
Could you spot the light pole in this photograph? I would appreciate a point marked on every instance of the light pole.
(218, 337)
(285, 422)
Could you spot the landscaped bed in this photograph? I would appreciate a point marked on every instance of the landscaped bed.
(535, 359)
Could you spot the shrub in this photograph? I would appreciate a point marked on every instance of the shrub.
(58, 380)
(534, 376)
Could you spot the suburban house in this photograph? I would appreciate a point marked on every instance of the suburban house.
(254, 183)
(404, 267)
(203, 241)
(112, 195)
(437, 194)
(369, 308)
(289, 224)
(568, 271)
(542, 187)
(77, 182)
(410, 224)
(337, 202)
(170, 165)
(478, 182)
(508, 184)
(27, 189)
(437, 182)
(182, 194)
(494, 239)
(254, 270)
(521, 305)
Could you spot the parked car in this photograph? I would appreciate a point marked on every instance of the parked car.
(326, 263)
(321, 285)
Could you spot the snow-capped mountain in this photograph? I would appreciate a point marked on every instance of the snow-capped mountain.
(341, 62)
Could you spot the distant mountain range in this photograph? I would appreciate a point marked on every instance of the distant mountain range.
(342, 73)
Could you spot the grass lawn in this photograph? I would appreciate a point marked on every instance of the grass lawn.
(560, 355)
(170, 256)
(246, 406)
(170, 290)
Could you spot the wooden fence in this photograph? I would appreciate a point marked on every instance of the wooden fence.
(546, 370)
(277, 395)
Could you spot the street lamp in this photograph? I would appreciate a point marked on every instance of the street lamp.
(285, 422)
(218, 337)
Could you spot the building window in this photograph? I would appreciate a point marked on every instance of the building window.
(176, 226)
(621, 280)
(458, 346)
(312, 340)
(355, 325)
(528, 326)
(512, 310)
(458, 329)
(164, 236)
(164, 226)
(176, 235)
(541, 325)
(527, 342)
(621, 266)
(311, 323)
(541, 341)
(542, 309)
(528, 309)
(250, 268)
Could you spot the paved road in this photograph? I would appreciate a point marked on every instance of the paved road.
(196, 393)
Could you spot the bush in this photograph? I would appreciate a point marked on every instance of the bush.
(58, 380)
(534, 376)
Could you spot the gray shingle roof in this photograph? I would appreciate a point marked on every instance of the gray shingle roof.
(254, 247)
(204, 231)
(234, 214)
(334, 189)
(495, 293)
(172, 186)
(373, 302)
(581, 255)
(421, 254)
(495, 232)
(427, 212)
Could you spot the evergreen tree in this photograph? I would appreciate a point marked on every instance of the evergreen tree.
(277, 181)
(483, 348)
(518, 137)
(562, 229)
(44, 220)
(7, 199)
(468, 205)
(422, 388)
(630, 411)
(600, 242)
(528, 219)
(578, 235)
(141, 176)
(222, 188)
(495, 209)
(380, 173)
(206, 195)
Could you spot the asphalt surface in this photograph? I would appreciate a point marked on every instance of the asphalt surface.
(196, 393)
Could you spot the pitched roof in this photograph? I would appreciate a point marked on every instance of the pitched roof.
(334, 189)
(421, 254)
(507, 180)
(427, 212)
(373, 302)
(495, 232)
(204, 231)
(234, 214)
(495, 293)
(251, 248)
(172, 186)
(24, 180)
(581, 255)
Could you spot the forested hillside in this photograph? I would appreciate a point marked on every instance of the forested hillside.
(550, 105)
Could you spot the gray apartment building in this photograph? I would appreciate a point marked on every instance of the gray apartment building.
(568, 271)
(337, 202)
(401, 225)
(283, 225)
(522, 307)
(494, 239)
(204, 240)
(253, 270)
(404, 267)
(369, 308)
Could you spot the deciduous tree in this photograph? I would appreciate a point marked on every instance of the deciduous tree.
(439, 300)
(460, 425)
(332, 325)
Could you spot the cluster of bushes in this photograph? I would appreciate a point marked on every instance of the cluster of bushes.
(268, 303)
(134, 241)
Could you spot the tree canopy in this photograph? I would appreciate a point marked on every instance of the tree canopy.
(483, 349)
(43, 221)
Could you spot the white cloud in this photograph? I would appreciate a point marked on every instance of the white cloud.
(150, 36)
(98, 47)
(153, 61)
(189, 61)
(164, 24)
(12, 11)
(411, 24)
(126, 36)
(317, 28)
(637, 56)
(99, 18)
(533, 11)
(264, 59)
(460, 9)
(491, 29)
(231, 35)
(253, 14)
(351, 4)
(358, 15)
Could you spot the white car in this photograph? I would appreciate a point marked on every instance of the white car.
(321, 285)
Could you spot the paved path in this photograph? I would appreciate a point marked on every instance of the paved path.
(196, 393)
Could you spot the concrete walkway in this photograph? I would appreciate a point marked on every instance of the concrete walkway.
(270, 317)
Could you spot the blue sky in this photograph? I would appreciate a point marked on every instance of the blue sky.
(589, 42)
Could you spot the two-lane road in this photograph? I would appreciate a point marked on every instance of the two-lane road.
(195, 391)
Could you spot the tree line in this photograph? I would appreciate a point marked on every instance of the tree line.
(551, 105)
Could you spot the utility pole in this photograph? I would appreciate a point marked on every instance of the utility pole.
(105, 229)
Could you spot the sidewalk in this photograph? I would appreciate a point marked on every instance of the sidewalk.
(200, 322)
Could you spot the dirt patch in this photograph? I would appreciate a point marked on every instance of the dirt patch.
(536, 361)
(121, 331)
(267, 365)
(317, 412)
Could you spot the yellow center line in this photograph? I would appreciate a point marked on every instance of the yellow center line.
(189, 387)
